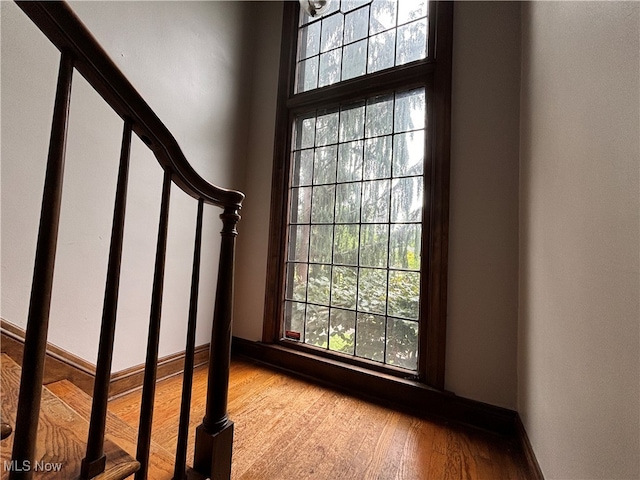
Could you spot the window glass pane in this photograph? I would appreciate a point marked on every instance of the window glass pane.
(330, 67)
(351, 124)
(327, 129)
(383, 15)
(321, 242)
(334, 6)
(323, 204)
(309, 40)
(307, 75)
(317, 325)
(374, 245)
(356, 25)
(294, 317)
(348, 203)
(298, 243)
(300, 205)
(346, 244)
(412, 42)
(402, 343)
(305, 131)
(297, 281)
(344, 287)
(408, 154)
(348, 5)
(410, 111)
(375, 201)
(406, 200)
(350, 161)
(302, 167)
(331, 32)
(319, 284)
(377, 158)
(379, 116)
(372, 290)
(370, 337)
(381, 51)
(342, 331)
(354, 62)
(404, 246)
(404, 294)
(411, 10)
(324, 165)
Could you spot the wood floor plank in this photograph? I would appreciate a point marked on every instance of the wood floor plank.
(370, 428)
(322, 447)
(396, 450)
(287, 428)
(345, 452)
(437, 465)
(417, 451)
(285, 453)
(282, 410)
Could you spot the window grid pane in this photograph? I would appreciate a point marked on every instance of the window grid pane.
(357, 37)
(356, 201)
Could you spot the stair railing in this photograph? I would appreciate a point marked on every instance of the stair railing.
(214, 437)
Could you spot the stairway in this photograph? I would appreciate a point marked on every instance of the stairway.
(62, 434)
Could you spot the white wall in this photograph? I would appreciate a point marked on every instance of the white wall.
(188, 61)
(578, 368)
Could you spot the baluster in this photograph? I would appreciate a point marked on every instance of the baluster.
(214, 437)
(187, 382)
(24, 444)
(151, 364)
(95, 460)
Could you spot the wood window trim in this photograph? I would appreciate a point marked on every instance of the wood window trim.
(437, 68)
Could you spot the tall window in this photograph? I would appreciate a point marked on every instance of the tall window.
(362, 196)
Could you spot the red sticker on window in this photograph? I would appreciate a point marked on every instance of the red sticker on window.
(292, 335)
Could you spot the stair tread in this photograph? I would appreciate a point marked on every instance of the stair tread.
(62, 435)
(117, 430)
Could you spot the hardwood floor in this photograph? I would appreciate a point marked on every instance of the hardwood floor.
(289, 429)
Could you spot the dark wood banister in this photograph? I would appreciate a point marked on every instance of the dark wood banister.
(80, 51)
(67, 32)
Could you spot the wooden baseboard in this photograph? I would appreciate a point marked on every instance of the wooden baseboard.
(129, 380)
(406, 395)
(529, 458)
(61, 365)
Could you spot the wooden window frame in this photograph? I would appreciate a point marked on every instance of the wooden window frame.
(434, 73)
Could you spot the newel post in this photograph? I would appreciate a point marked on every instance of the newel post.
(214, 437)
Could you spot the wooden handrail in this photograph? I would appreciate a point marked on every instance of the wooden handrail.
(67, 32)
